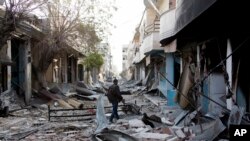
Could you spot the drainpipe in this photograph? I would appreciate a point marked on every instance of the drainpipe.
(154, 7)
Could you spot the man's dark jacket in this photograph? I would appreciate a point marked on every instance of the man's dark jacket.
(114, 94)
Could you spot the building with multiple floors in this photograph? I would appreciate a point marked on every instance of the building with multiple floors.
(196, 48)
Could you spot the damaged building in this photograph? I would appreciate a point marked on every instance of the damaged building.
(187, 79)
(212, 42)
(194, 52)
(201, 60)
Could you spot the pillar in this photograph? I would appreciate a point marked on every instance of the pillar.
(9, 67)
(229, 71)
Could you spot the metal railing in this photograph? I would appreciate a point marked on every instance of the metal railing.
(52, 113)
(152, 28)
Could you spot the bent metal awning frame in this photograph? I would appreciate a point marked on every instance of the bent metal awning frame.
(186, 12)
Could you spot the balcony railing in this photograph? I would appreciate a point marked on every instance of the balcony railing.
(155, 27)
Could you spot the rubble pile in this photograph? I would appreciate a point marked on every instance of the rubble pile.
(144, 116)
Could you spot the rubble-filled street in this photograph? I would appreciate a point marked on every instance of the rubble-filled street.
(37, 123)
(144, 116)
(124, 70)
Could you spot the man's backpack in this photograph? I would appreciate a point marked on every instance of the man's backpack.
(111, 94)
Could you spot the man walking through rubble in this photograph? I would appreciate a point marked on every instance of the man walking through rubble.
(114, 97)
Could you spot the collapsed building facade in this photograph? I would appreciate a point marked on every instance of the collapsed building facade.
(18, 54)
(16, 63)
(196, 52)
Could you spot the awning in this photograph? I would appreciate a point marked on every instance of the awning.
(154, 52)
(186, 12)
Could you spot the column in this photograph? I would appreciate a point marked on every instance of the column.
(27, 65)
(229, 71)
(9, 67)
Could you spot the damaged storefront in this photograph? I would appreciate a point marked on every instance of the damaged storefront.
(212, 44)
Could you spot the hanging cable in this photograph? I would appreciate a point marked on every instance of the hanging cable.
(226, 76)
(177, 90)
(212, 70)
(222, 61)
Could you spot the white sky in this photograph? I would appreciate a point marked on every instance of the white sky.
(126, 18)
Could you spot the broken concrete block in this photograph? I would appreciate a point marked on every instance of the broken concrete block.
(42, 119)
(153, 136)
(141, 130)
(136, 123)
(185, 129)
(121, 121)
(180, 134)
(82, 84)
(165, 121)
(126, 125)
(121, 128)
(149, 127)
(14, 128)
(174, 139)
(164, 130)
(56, 90)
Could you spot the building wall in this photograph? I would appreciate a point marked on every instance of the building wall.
(124, 57)
(49, 74)
(150, 16)
(163, 5)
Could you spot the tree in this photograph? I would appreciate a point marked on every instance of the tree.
(93, 61)
(73, 23)
(13, 12)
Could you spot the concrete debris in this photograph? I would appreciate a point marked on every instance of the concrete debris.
(75, 103)
(147, 121)
(236, 115)
(136, 123)
(84, 91)
(82, 84)
(83, 97)
(167, 122)
(207, 131)
(179, 133)
(180, 117)
(151, 136)
(132, 108)
(141, 130)
(157, 123)
(56, 90)
(112, 135)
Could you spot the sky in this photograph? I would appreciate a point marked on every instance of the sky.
(126, 18)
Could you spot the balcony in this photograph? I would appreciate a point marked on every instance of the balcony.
(150, 42)
(167, 24)
(136, 58)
